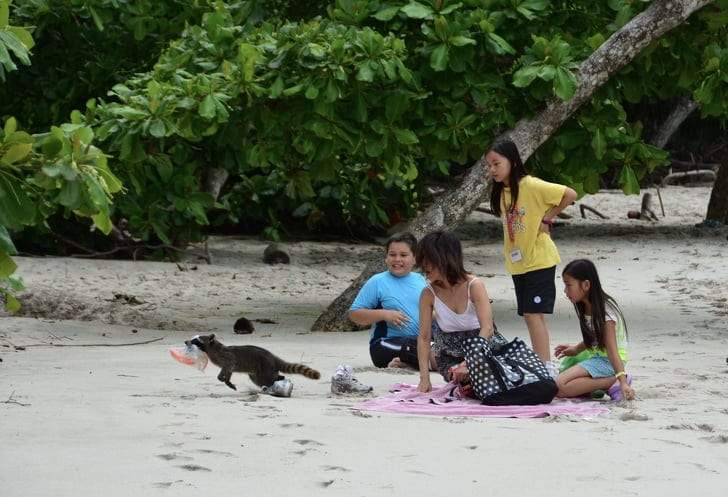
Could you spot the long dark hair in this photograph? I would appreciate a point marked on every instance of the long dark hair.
(507, 149)
(584, 270)
(442, 250)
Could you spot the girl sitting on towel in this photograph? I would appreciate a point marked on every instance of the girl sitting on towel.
(601, 355)
(461, 308)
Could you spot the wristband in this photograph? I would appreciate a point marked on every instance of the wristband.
(547, 222)
(621, 373)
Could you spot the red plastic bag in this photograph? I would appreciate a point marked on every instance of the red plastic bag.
(190, 355)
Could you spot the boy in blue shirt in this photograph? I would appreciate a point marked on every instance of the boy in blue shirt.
(391, 300)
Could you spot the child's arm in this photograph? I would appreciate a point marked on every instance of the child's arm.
(423, 340)
(610, 343)
(566, 200)
(366, 317)
(483, 309)
(569, 350)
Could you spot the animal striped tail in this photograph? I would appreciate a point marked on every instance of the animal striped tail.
(288, 367)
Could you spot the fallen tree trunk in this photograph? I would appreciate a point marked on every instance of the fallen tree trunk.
(718, 205)
(683, 107)
(450, 208)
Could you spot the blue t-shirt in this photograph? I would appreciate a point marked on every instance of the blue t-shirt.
(394, 293)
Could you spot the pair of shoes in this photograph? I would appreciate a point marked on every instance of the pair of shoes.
(343, 382)
(280, 388)
(615, 391)
(552, 368)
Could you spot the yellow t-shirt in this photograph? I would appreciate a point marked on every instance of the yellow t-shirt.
(537, 250)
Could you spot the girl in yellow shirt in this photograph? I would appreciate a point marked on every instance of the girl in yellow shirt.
(528, 206)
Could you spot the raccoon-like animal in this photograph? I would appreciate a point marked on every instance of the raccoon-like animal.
(262, 366)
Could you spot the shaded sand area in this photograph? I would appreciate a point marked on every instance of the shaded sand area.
(119, 421)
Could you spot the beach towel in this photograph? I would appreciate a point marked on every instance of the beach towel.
(405, 399)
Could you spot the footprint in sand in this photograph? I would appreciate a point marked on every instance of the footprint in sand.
(308, 442)
(336, 468)
(216, 452)
(718, 439)
(174, 457)
(326, 484)
(633, 416)
(291, 425)
(194, 467)
(166, 484)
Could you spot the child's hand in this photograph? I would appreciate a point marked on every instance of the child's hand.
(545, 228)
(627, 391)
(424, 386)
(397, 318)
(565, 350)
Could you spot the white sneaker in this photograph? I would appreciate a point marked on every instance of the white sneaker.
(343, 382)
(280, 388)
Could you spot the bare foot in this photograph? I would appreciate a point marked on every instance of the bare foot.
(395, 363)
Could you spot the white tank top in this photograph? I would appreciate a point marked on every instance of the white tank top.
(449, 320)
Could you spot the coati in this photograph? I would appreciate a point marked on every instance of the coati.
(261, 365)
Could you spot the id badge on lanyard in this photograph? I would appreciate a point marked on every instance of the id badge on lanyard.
(516, 255)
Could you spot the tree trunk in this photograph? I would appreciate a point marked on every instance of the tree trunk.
(215, 179)
(684, 106)
(718, 205)
(451, 208)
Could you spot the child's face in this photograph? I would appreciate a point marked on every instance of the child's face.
(499, 166)
(431, 272)
(576, 290)
(400, 260)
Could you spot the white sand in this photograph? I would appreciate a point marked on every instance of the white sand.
(120, 421)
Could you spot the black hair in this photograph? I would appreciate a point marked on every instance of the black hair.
(584, 270)
(507, 149)
(403, 237)
(442, 250)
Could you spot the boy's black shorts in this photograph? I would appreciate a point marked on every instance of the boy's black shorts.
(536, 291)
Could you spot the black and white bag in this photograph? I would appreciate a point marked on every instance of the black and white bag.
(511, 374)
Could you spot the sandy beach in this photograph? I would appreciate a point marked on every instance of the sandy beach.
(128, 420)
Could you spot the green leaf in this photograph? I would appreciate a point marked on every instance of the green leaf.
(157, 128)
(207, 107)
(416, 10)
(70, 195)
(312, 92)
(599, 144)
(11, 303)
(276, 88)
(10, 126)
(16, 152)
(97, 20)
(502, 46)
(450, 8)
(564, 84)
(4, 13)
(365, 72)
(386, 13)
(16, 208)
(248, 55)
(7, 265)
(6, 243)
(405, 136)
(628, 180)
(525, 76)
(439, 58)
(103, 222)
(461, 41)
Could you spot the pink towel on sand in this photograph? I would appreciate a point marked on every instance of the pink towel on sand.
(406, 399)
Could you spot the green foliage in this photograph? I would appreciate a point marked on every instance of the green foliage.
(14, 41)
(336, 114)
(42, 174)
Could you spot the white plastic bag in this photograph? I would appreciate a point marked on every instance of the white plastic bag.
(190, 355)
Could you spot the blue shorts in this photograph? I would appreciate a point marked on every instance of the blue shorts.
(598, 367)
